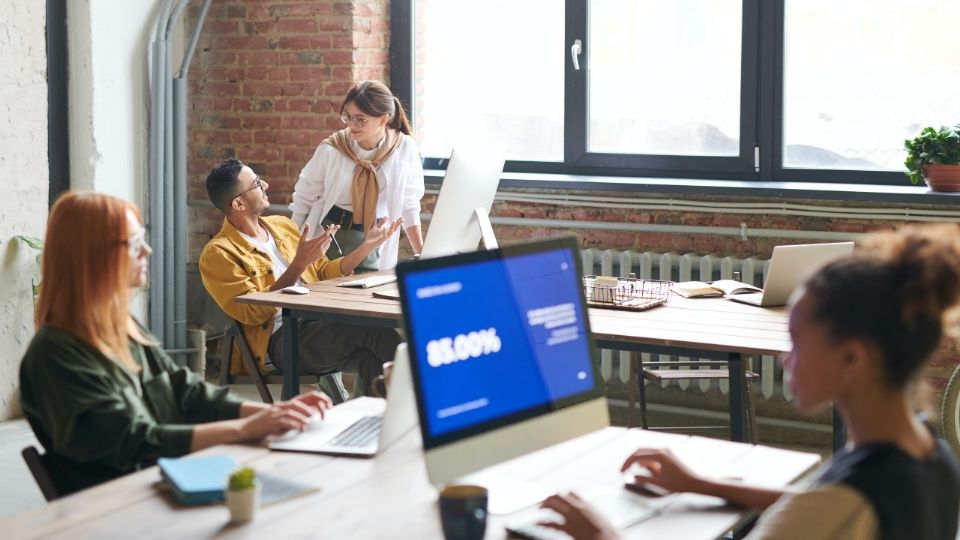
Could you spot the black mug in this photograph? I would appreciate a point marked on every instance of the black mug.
(463, 512)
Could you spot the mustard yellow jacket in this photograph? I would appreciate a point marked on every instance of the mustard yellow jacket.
(230, 267)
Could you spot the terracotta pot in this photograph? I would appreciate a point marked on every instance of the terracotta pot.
(942, 177)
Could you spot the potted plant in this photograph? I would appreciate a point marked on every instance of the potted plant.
(934, 155)
(243, 495)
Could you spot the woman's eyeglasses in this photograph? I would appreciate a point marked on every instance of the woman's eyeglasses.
(137, 242)
(356, 121)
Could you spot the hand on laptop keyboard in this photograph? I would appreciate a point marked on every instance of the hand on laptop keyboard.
(603, 512)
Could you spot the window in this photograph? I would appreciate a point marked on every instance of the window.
(806, 90)
(855, 87)
(491, 69)
(639, 102)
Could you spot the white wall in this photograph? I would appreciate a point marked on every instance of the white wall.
(23, 181)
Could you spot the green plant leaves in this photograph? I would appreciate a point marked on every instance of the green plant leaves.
(936, 146)
(242, 478)
(31, 241)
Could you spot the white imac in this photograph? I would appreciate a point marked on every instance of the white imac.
(460, 217)
(502, 359)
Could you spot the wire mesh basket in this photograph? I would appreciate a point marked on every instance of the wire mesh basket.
(626, 293)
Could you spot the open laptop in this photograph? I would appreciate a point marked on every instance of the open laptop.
(790, 266)
(366, 426)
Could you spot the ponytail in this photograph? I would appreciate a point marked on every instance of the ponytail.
(400, 122)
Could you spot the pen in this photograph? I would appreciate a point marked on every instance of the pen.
(334, 238)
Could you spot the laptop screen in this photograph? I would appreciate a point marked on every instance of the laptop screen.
(496, 337)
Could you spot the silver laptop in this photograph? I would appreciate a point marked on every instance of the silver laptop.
(790, 266)
(364, 428)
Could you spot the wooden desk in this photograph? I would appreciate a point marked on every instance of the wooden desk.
(704, 327)
(390, 497)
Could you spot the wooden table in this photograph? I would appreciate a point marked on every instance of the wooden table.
(390, 497)
(714, 328)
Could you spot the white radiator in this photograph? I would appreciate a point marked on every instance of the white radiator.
(682, 267)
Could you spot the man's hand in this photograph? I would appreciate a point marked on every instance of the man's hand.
(310, 250)
(380, 230)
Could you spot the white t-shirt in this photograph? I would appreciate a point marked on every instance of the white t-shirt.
(345, 200)
(280, 265)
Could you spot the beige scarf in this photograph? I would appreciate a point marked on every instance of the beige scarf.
(365, 190)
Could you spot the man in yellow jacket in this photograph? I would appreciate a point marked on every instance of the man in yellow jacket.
(253, 252)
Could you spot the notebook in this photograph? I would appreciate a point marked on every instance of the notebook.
(202, 480)
(197, 480)
(790, 266)
(363, 428)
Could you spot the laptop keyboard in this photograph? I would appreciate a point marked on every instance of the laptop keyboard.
(361, 433)
(623, 510)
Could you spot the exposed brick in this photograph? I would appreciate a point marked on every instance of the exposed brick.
(338, 57)
(302, 122)
(262, 89)
(297, 26)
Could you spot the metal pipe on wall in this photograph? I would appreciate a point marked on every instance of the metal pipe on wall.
(179, 201)
(155, 212)
(168, 180)
(180, 214)
(168, 203)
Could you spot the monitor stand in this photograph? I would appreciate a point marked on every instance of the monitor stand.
(506, 495)
(486, 229)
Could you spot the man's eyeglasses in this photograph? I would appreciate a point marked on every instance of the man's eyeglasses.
(356, 121)
(258, 183)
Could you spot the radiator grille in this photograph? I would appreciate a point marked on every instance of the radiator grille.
(683, 267)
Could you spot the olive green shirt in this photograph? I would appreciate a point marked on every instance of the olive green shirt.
(98, 421)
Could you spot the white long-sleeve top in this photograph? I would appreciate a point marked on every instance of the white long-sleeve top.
(328, 176)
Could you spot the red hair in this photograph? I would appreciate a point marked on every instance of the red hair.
(85, 273)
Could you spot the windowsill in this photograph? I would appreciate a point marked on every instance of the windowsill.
(732, 188)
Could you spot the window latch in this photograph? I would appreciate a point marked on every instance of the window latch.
(575, 51)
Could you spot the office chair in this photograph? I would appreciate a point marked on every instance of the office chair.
(331, 383)
(661, 371)
(43, 473)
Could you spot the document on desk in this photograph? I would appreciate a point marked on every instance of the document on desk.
(368, 282)
(387, 293)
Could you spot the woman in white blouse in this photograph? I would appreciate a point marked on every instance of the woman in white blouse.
(367, 172)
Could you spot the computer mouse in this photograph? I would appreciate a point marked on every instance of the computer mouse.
(295, 289)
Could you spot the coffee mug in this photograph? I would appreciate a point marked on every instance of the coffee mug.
(463, 512)
(382, 382)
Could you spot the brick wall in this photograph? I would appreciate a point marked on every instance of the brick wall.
(267, 84)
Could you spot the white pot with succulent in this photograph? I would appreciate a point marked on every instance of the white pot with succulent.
(243, 495)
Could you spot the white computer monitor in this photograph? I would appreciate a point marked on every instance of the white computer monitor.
(460, 216)
(501, 354)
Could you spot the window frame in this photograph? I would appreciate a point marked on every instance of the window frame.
(761, 110)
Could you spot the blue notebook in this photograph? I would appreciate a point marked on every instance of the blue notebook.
(197, 480)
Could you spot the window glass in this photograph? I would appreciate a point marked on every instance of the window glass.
(664, 77)
(490, 70)
(860, 76)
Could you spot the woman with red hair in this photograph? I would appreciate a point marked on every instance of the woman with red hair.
(100, 394)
